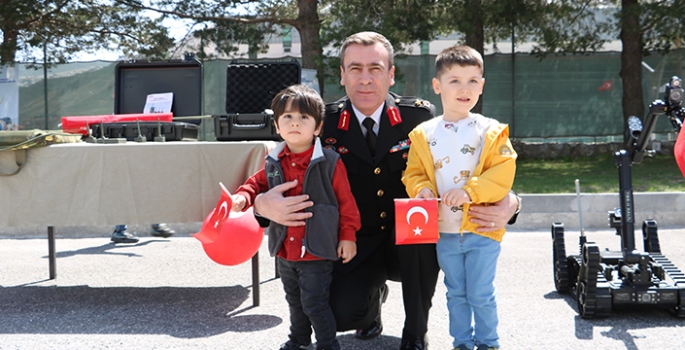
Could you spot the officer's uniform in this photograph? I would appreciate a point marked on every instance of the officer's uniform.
(376, 182)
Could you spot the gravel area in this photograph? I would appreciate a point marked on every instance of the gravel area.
(167, 294)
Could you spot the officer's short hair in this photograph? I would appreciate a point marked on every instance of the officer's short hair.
(459, 54)
(368, 39)
(303, 98)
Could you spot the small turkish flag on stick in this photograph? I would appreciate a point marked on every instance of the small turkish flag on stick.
(230, 238)
(212, 226)
(416, 221)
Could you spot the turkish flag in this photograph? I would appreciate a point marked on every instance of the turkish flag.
(607, 85)
(230, 238)
(416, 221)
(216, 219)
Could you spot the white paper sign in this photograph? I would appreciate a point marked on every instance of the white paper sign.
(159, 103)
(9, 97)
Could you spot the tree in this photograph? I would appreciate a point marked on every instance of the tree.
(402, 22)
(642, 26)
(645, 27)
(231, 22)
(558, 27)
(63, 27)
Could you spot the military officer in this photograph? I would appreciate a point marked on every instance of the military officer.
(369, 129)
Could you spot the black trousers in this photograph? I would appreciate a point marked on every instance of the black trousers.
(355, 297)
(307, 290)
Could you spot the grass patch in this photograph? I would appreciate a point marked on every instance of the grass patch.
(597, 175)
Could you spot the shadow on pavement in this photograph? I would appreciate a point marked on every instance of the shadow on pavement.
(383, 342)
(107, 248)
(620, 322)
(178, 312)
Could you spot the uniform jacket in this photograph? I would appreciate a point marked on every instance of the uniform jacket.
(490, 182)
(375, 182)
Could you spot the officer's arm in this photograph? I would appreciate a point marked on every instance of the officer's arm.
(496, 215)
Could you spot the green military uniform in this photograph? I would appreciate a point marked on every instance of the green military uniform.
(376, 182)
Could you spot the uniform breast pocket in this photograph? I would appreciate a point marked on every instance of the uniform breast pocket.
(397, 161)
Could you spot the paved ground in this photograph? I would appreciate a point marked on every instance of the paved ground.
(166, 294)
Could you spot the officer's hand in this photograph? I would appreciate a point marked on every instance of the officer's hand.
(286, 211)
(347, 250)
(494, 216)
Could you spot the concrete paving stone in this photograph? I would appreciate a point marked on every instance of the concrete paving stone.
(167, 294)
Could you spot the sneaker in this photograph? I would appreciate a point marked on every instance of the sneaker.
(162, 230)
(291, 345)
(462, 347)
(485, 347)
(123, 237)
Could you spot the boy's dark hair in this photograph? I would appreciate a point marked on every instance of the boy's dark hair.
(303, 99)
(459, 54)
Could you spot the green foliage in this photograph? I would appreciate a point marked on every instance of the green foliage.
(596, 175)
(223, 25)
(563, 27)
(63, 27)
(403, 22)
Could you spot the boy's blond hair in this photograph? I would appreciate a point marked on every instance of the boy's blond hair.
(459, 54)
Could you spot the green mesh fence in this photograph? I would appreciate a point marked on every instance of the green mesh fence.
(564, 98)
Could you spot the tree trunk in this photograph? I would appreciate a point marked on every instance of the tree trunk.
(475, 36)
(309, 25)
(8, 47)
(631, 61)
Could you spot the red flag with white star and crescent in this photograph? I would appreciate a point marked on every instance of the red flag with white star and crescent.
(215, 220)
(227, 237)
(416, 221)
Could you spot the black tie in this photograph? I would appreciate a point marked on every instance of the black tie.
(370, 135)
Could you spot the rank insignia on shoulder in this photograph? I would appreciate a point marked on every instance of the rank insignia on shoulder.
(334, 108)
(415, 102)
(422, 103)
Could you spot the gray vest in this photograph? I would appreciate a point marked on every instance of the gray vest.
(322, 229)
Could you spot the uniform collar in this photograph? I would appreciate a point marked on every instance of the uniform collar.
(376, 116)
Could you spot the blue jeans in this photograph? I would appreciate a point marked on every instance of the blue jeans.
(307, 289)
(469, 262)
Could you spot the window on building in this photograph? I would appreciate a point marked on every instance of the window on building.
(287, 36)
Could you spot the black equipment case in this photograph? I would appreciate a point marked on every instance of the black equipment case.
(250, 87)
(135, 80)
(172, 131)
